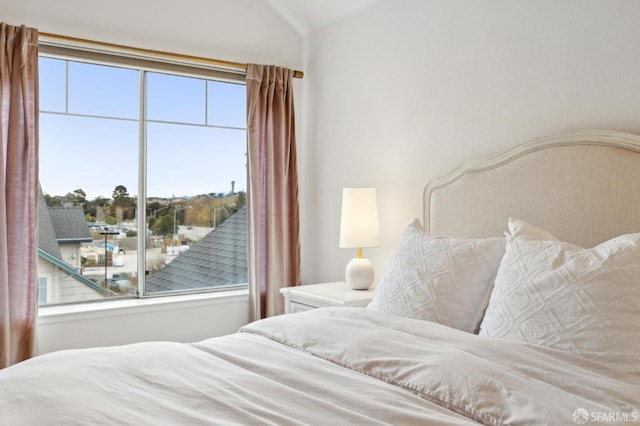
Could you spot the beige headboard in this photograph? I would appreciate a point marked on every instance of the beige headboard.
(583, 187)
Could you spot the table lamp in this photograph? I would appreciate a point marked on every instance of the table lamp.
(359, 227)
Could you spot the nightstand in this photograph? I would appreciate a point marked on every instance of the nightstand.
(311, 296)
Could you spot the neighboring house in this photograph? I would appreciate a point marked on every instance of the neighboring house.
(61, 231)
(217, 260)
(70, 227)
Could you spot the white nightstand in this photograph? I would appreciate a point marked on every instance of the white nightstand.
(305, 297)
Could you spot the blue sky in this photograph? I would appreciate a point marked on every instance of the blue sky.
(202, 154)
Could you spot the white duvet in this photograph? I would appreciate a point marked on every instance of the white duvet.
(330, 366)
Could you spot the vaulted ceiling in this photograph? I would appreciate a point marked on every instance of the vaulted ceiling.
(306, 16)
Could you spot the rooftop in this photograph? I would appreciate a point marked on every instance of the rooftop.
(218, 260)
(47, 240)
(70, 225)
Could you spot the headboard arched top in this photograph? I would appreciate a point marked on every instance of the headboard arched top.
(583, 187)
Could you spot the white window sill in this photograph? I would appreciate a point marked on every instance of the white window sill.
(75, 312)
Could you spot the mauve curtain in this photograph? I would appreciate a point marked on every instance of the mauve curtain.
(18, 182)
(273, 216)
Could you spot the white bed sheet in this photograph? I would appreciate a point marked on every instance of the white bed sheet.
(325, 366)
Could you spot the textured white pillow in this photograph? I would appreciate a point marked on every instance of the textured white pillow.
(555, 294)
(520, 228)
(441, 279)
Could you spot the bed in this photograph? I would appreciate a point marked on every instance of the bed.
(515, 300)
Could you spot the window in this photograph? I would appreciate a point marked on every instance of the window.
(42, 290)
(142, 175)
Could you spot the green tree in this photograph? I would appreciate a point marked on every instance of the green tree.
(151, 221)
(90, 207)
(164, 225)
(52, 201)
(79, 198)
(101, 201)
(123, 204)
(152, 207)
(121, 195)
(242, 200)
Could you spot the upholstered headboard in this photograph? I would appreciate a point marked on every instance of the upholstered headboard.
(583, 187)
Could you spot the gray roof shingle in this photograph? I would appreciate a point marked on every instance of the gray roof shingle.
(47, 239)
(70, 224)
(217, 260)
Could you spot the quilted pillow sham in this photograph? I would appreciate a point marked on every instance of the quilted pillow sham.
(555, 294)
(441, 279)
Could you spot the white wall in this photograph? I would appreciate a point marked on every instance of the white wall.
(405, 90)
(232, 30)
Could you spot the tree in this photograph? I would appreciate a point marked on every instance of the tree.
(120, 195)
(164, 225)
(153, 206)
(151, 221)
(79, 198)
(123, 204)
(52, 201)
(242, 199)
(91, 207)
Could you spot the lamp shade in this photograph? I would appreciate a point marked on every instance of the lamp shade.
(359, 225)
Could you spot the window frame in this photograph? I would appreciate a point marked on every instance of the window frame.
(143, 64)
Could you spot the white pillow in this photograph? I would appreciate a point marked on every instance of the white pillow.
(441, 279)
(555, 294)
(520, 228)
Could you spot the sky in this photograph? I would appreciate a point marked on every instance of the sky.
(89, 132)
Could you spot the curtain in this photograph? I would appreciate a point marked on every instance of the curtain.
(18, 201)
(273, 216)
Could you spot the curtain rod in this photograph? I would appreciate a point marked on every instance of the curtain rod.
(218, 62)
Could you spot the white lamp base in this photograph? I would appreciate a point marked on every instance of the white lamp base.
(359, 273)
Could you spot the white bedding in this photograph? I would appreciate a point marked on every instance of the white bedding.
(325, 366)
